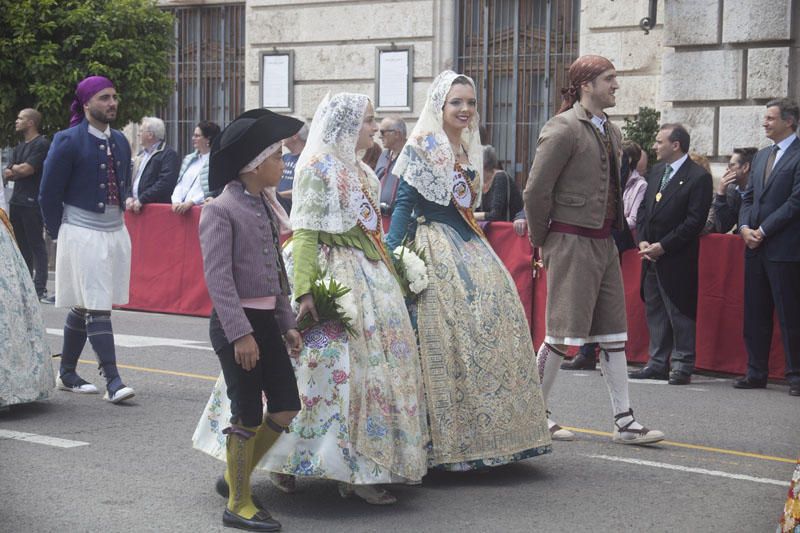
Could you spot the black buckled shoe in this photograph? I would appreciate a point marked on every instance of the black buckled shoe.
(648, 373)
(261, 521)
(580, 362)
(749, 383)
(680, 378)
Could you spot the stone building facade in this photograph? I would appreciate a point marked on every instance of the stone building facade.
(711, 64)
(718, 75)
(334, 44)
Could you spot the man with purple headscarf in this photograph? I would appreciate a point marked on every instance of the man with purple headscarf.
(86, 174)
(573, 200)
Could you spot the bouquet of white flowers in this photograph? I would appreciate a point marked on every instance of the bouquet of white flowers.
(411, 267)
(333, 301)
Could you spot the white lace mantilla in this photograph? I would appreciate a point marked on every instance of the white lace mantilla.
(327, 194)
(427, 160)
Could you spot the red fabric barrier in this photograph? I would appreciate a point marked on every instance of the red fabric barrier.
(166, 264)
(167, 277)
(638, 334)
(720, 310)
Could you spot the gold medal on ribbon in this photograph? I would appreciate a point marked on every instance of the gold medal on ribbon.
(658, 197)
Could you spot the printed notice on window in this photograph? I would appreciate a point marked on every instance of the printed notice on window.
(275, 81)
(393, 79)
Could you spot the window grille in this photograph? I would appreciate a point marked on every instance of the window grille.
(518, 52)
(207, 67)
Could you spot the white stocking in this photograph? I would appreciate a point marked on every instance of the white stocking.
(615, 371)
(548, 361)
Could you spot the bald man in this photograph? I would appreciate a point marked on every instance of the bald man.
(573, 200)
(25, 170)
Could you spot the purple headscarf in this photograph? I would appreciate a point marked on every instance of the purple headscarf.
(87, 88)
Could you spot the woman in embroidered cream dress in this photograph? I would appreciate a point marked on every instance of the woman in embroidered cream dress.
(363, 418)
(26, 368)
(479, 367)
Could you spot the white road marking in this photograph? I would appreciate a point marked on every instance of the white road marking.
(649, 381)
(693, 470)
(141, 341)
(695, 381)
(41, 439)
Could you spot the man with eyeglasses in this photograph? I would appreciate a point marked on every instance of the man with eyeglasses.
(724, 214)
(393, 137)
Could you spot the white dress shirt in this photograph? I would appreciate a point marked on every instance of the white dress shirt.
(783, 146)
(145, 156)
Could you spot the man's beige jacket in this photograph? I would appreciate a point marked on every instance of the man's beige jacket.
(569, 179)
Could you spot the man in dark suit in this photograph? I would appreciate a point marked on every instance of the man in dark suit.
(155, 170)
(671, 218)
(770, 226)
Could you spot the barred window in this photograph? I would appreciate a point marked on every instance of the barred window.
(518, 52)
(207, 68)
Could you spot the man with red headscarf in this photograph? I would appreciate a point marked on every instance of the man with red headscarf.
(85, 177)
(573, 199)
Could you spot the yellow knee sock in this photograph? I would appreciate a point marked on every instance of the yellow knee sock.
(240, 466)
(266, 435)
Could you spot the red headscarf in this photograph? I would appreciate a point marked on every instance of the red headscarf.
(584, 69)
(83, 93)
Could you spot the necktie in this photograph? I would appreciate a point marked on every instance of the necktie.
(665, 178)
(771, 162)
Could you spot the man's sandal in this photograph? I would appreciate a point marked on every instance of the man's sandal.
(627, 435)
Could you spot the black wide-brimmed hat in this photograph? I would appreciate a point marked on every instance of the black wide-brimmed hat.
(244, 138)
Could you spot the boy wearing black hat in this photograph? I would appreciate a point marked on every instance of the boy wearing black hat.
(252, 323)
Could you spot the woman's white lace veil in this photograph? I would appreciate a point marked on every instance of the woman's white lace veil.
(327, 191)
(427, 159)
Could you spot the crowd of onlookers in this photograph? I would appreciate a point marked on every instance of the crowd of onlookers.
(159, 176)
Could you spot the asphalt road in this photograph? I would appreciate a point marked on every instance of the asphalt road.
(725, 468)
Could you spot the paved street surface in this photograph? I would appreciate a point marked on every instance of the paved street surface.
(93, 466)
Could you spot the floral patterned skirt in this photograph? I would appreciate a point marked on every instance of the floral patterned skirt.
(790, 521)
(484, 403)
(26, 368)
(363, 417)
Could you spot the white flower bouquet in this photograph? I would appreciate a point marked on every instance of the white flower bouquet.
(333, 301)
(411, 267)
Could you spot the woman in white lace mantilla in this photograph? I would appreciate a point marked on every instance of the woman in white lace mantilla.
(484, 404)
(363, 417)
